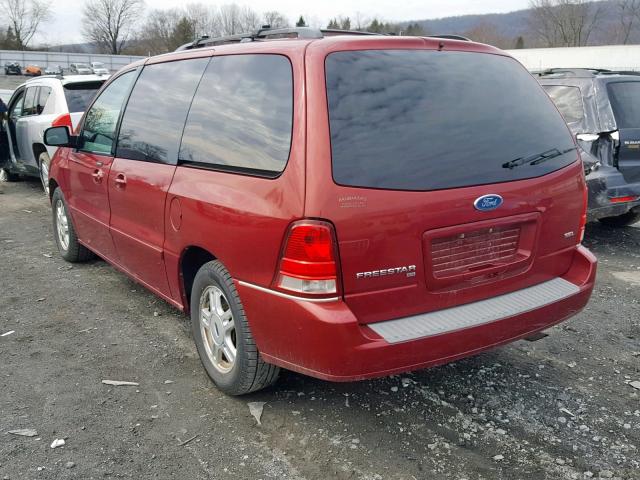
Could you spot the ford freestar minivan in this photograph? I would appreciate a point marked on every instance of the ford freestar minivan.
(345, 206)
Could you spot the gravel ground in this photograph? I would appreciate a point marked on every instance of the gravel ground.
(562, 407)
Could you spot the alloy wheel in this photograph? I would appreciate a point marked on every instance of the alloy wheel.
(62, 225)
(218, 330)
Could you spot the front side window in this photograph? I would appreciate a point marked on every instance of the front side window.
(568, 100)
(16, 108)
(154, 118)
(29, 107)
(428, 120)
(625, 101)
(100, 122)
(241, 116)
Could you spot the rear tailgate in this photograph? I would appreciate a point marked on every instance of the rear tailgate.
(414, 146)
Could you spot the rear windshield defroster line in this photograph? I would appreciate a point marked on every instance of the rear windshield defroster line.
(426, 120)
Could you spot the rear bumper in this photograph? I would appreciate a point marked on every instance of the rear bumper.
(325, 340)
(607, 183)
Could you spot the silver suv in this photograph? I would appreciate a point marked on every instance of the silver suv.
(35, 106)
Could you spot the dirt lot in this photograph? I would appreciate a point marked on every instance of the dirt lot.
(559, 408)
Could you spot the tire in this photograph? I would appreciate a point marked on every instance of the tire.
(223, 328)
(620, 221)
(44, 162)
(7, 176)
(64, 232)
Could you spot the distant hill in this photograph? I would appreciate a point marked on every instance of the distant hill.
(511, 25)
(500, 29)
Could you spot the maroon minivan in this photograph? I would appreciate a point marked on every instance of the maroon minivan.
(345, 206)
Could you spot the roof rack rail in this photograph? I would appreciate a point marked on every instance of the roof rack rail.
(583, 72)
(266, 32)
(450, 37)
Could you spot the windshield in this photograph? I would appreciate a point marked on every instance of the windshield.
(625, 101)
(427, 120)
(79, 95)
(81, 65)
(97, 65)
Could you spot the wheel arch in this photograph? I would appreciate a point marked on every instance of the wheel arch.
(192, 259)
(38, 148)
(53, 185)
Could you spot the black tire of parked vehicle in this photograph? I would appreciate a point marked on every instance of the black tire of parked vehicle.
(620, 221)
(249, 372)
(43, 166)
(75, 252)
(7, 176)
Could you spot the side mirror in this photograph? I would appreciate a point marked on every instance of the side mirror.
(59, 137)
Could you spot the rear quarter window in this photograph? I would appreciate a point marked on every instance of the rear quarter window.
(429, 120)
(568, 99)
(625, 102)
(79, 95)
(241, 116)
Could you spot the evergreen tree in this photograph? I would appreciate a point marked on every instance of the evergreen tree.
(520, 43)
(183, 32)
(333, 24)
(414, 29)
(301, 22)
(345, 23)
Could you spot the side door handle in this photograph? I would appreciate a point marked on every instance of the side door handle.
(121, 180)
(97, 175)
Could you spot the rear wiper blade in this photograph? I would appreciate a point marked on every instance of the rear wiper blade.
(537, 158)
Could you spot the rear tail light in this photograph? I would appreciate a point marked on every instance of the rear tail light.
(63, 120)
(308, 264)
(630, 198)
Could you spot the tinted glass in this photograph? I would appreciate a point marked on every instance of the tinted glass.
(157, 109)
(426, 120)
(241, 116)
(625, 101)
(102, 118)
(16, 109)
(42, 98)
(79, 95)
(568, 100)
(29, 107)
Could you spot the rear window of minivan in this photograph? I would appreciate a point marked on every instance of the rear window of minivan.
(429, 120)
(79, 95)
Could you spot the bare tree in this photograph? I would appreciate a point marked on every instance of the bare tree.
(628, 12)
(564, 23)
(110, 23)
(275, 19)
(24, 17)
(489, 33)
(205, 19)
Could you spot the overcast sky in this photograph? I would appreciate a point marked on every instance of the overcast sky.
(65, 26)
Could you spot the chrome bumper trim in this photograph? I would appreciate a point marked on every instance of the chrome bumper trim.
(285, 295)
(474, 314)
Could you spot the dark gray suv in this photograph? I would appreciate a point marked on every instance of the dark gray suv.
(602, 108)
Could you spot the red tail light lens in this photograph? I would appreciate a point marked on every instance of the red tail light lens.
(630, 198)
(63, 120)
(308, 263)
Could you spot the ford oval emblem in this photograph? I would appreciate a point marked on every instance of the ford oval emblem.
(486, 203)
